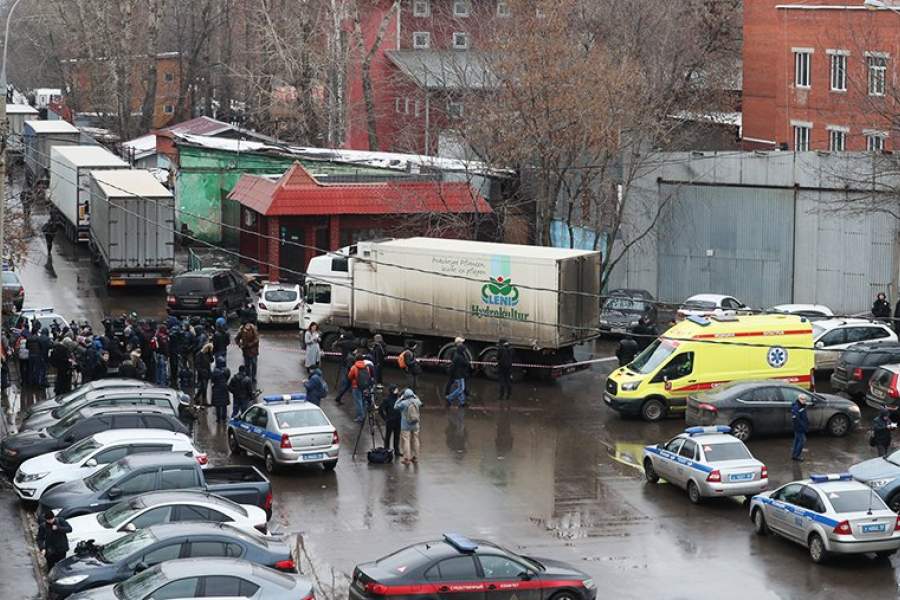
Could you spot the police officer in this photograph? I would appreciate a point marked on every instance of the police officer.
(52, 539)
(800, 421)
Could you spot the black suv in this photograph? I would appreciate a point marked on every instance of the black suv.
(857, 364)
(207, 293)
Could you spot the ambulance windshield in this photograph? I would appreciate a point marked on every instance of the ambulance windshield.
(653, 355)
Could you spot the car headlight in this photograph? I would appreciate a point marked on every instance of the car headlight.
(876, 484)
(71, 580)
(589, 584)
(630, 386)
(34, 476)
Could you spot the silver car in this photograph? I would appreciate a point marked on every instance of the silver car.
(829, 514)
(708, 462)
(285, 430)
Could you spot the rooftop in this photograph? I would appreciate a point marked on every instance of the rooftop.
(444, 70)
(88, 156)
(120, 183)
(20, 109)
(486, 248)
(55, 126)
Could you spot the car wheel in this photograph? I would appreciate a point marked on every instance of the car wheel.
(271, 465)
(233, 443)
(838, 425)
(759, 522)
(694, 493)
(817, 551)
(894, 502)
(653, 410)
(565, 595)
(742, 429)
(329, 465)
(649, 472)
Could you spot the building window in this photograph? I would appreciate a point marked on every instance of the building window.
(837, 139)
(460, 8)
(421, 39)
(877, 64)
(502, 8)
(421, 8)
(460, 40)
(455, 110)
(839, 72)
(397, 105)
(802, 59)
(801, 137)
(875, 141)
(417, 107)
(406, 106)
(168, 109)
(169, 76)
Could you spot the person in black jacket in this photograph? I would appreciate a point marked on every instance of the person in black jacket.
(881, 308)
(347, 344)
(391, 417)
(52, 539)
(504, 368)
(221, 338)
(627, 350)
(379, 352)
(644, 333)
(219, 378)
(203, 361)
(897, 318)
(460, 367)
(61, 360)
(241, 388)
(881, 432)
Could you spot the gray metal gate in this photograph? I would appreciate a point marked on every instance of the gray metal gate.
(726, 240)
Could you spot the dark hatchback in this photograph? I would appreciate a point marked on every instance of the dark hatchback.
(764, 408)
(460, 568)
(858, 363)
(208, 293)
(94, 566)
(623, 309)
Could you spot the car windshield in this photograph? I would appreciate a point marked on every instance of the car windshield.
(106, 475)
(10, 277)
(699, 305)
(625, 304)
(189, 285)
(79, 450)
(58, 429)
(61, 412)
(126, 546)
(117, 514)
(894, 458)
(300, 418)
(139, 586)
(63, 400)
(653, 356)
(845, 501)
(854, 357)
(281, 295)
(725, 452)
(818, 330)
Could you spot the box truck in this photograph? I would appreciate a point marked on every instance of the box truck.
(132, 227)
(16, 115)
(70, 185)
(38, 137)
(544, 301)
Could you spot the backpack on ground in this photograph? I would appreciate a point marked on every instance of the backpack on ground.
(380, 456)
(411, 412)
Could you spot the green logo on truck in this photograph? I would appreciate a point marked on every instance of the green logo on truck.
(500, 291)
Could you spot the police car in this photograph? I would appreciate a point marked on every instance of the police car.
(829, 514)
(707, 462)
(464, 569)
(285, 429)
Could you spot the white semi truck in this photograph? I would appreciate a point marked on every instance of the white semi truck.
(544, 301)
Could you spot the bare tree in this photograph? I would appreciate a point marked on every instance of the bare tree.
(368, 53)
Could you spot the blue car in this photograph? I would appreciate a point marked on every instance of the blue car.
(883, 476)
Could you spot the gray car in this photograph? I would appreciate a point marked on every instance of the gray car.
(80, 392)
(753, 408)
(205, 578)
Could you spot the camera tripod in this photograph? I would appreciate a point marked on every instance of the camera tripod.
(370, 421)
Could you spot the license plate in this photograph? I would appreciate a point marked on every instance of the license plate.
(740, 477)
(878, 393)
(878, 528)
(607, 399)
(314, 456)
(618, 330)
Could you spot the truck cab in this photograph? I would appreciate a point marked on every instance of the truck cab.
(327, 291)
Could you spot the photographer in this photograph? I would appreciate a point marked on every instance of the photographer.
(362, 379)
(391, 417)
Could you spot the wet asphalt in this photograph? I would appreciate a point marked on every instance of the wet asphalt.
(552, 473)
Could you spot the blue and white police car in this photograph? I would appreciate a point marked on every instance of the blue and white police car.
(708, 462)
(829, 514)
(285, 429)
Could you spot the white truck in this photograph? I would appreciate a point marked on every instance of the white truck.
(544, 301)
(38, 138)
(70, 185)
(16, 115)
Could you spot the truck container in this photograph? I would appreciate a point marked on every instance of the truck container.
(543, 301)
(70, 185)
(38, 137)
(132, 227)
(16, 115)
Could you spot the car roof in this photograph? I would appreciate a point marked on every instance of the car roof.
(204, 272)
(269, 285)
(136, 391)
(813, 307)
(191, 567)
(836, 486)
(176, 496)
(143, 459)
(631, 293)
(835, 323)
(893, 368)
(167, 530)
(111, 382)
(710, 439)
(137, 435)
(278, 407)
(92, 411)
(708, 297)
(875, 345)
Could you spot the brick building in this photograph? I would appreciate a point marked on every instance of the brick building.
(820, 74)
(428, 58)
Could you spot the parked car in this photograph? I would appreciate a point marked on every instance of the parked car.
(79, 393)
(13, 290)
(122, 558)
(279, 303)
(41, 473)
(157, 508)
(177, 402)
(884, 387)
(858, 363)
(45, 317)
(881, 475)
(20, 447)
(705, 305)
(832, 336)
(204, 578)
(209, 292)
(753, 408)
(149, 472)
(813, 312)
(623, 309)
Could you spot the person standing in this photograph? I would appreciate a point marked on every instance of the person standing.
(627, 350)
(881, 432)
(316, 388)
(221, 339)
(133, 368)
(219, 377)
(203, 361)
(49, 231)
(52, 538)
(45, 344)
(881, 308)
(379, 353)
(459, 371)
(644, 332)
(409, 407)
(312, 337)
(23, 355)
(504, 368)
(159, 343)
(410, 365)
(61, 360)
(391, 417)
(362, 378)
(241, 388)
(800, 421)
(897, 318)
(347, 346)
(247, 339)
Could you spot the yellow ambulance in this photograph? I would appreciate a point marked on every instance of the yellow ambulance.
(701, 353)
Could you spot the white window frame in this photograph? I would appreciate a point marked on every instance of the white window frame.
(802, 135)
(876, 72)
(503, 8)
(406, 106)
(421, 8)
(837, 69)
(465, 38)
(455, 109)
(418, 107)
(802, 67)
(875, 140)
(397, 104)
(168, 109)
(837, 138)
(426, 35)
(462, 8)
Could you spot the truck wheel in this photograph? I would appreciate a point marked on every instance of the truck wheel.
(489, 355)
(446, 354)
(653, 410)
(328, 342)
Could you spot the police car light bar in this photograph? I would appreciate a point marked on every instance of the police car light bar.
(831, 477)
(702, 321)
(286, 398)
(692, 431)
(460, 542)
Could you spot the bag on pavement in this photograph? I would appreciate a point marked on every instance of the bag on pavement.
(380, 456)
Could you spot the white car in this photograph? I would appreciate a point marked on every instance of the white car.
(37, 475)
(813, 312)
(279, 303)
(704, 305)
(832, 336)
(45, 316)
(170, 506)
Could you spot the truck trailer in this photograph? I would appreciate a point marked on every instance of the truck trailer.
(132, 227)
(70, 185)
(544, 301)
(16, 115)
(38, 138)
